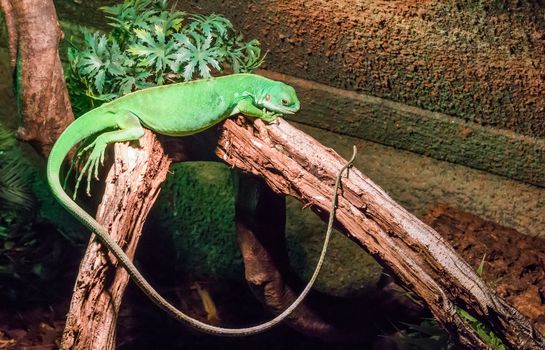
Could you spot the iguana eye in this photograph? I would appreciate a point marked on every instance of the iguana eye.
(284, 101)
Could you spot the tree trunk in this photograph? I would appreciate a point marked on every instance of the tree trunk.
(295, 164)
(43, 105)
(132, 186)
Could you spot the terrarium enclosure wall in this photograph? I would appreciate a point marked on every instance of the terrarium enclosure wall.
(445, 101)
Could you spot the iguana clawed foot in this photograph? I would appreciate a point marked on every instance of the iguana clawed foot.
(91, 166)
(269, 116)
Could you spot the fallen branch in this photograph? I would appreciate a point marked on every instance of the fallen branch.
(132, 186)
(295, 164)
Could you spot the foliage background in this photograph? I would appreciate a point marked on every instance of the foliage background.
(151, 44)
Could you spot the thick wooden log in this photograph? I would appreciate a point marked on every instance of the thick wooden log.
(132, 186)
(295, 164)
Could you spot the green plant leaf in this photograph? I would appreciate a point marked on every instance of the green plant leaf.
(488, 336)
(196, 51)
(210, 25)
(480, 269)
(149, 44)
(15, 191)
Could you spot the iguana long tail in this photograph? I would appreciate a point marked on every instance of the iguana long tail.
(67, 141)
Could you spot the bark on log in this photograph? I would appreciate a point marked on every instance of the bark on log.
(293, 163)
(132, 186)
(42, 99)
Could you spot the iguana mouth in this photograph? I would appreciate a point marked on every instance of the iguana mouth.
(281, 109)
(287, 110)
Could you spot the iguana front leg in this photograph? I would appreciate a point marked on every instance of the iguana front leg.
(248, 108)
(129, 130)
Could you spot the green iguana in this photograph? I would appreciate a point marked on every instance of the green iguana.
(176, 110)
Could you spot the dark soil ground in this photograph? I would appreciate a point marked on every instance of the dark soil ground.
(514, 266)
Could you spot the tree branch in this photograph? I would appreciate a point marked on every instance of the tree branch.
(132, 186)
(295, 164)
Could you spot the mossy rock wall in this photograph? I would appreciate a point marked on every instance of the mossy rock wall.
(196, 208)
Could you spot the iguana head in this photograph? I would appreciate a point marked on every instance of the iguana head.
(279, 98)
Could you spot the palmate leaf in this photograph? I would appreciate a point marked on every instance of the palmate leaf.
(102, 58)
(149, 45)
(116, 59)
(252, 57)
(154, 50)
(131, 14)
(135, 81)
(170, 21)
(244, 58)
(196, 52)
(145, 37)
(210, 25)
(90, 62)
(99, 80)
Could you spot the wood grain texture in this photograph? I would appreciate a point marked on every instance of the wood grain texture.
(132, 186)
(364, 319)
(293, 163)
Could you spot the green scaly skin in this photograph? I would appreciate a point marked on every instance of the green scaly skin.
(176, 110)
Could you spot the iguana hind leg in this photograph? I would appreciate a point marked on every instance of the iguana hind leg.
(129, 129)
